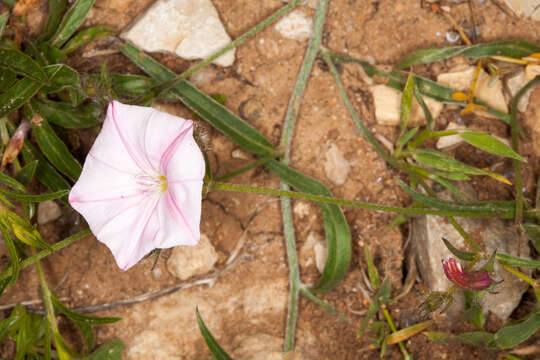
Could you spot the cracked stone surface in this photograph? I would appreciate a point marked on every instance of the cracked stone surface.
(189, 28)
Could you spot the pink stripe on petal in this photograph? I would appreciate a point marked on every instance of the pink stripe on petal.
(171, 203)
(166, 157)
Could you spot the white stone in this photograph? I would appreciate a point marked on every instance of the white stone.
(490, 92)
(239, 154)
(188, 261)
(301, 209)
(532, 71)
(387, 102)
(262, 347)
(450, 140)
(296, 25)
(48, 211)
(321, 254)
(514, 84)
(189, 28)
(336, 166)
(529, 8)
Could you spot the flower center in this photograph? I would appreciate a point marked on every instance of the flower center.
(151, 182)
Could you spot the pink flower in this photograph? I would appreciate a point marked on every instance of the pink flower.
(141, 183)
(469, 280)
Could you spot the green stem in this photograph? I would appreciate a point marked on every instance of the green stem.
(332, 200)
(393, 328)
(515, 147)
(252, 165)
(238, 41)
(285, 143)
(305, 291)
(40, 255)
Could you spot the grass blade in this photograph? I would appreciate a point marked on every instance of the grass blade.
(517, 262)
(428, 55)
(512, 335)
(76, 317)
(26, 174)
(490, 144)
(67, 115)
(462, 255)
(34, 198)
(17, 95)
(22, 64)
(212, 344)
(73, 18)
(56, 9)
(85, 36)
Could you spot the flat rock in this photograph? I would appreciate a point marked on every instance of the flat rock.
(427, 234)
(387, 102)
(296, 25)
(188, 261)
(48, 211)
(461, 78)
(336, 167)
(262, 347)
(189, 28)
(514, 84)
(528, 8)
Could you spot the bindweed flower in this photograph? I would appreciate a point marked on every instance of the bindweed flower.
(469, 280)
(140, 187)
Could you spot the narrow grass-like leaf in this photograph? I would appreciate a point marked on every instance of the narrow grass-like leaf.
(514, 334)
(212, 344)
(12, 183)
(373, 274)
(533, 233)
(111, 350)
(3, 21)
(490, 144)
(71, 21)
(428, 55)
(72, 315)
(85, 36)
(127, 85)
(403, 139)
(12, 251)
(20, 63)
(502, 210)
(404, 334)
(26, 174)
(476, 338)
(406, 103)
(425, 109)
(462, 255)
(55, 150)
(34, 198)
(518, 262)
(54, 15)
(336, 227)
(440, 161)
(67, 115)
(17, 95)
(52, 54)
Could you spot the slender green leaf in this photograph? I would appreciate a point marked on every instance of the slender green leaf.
(26, 174)
(55, 150)
(514, 49)
(52, 54)
(518, 262)
(12, 251)
(372, 270)
(428, 55)
(476, 338)
(403, 139)
(425, 109)
(336, 227)
(35, 198)
(514, 334)
(85, 36)
(490, 144)
(212, 344)
(373, 308)
(462, 255)
(501, 209)
(111, 350)
(440, 161)
(131, 85)
(17, 95)
(12, 183)
(22, 64)
(71, 21)
(72, 315)
(67, 115)
(533, 233)
(54, 16)
(406, 103)
(3, 21)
